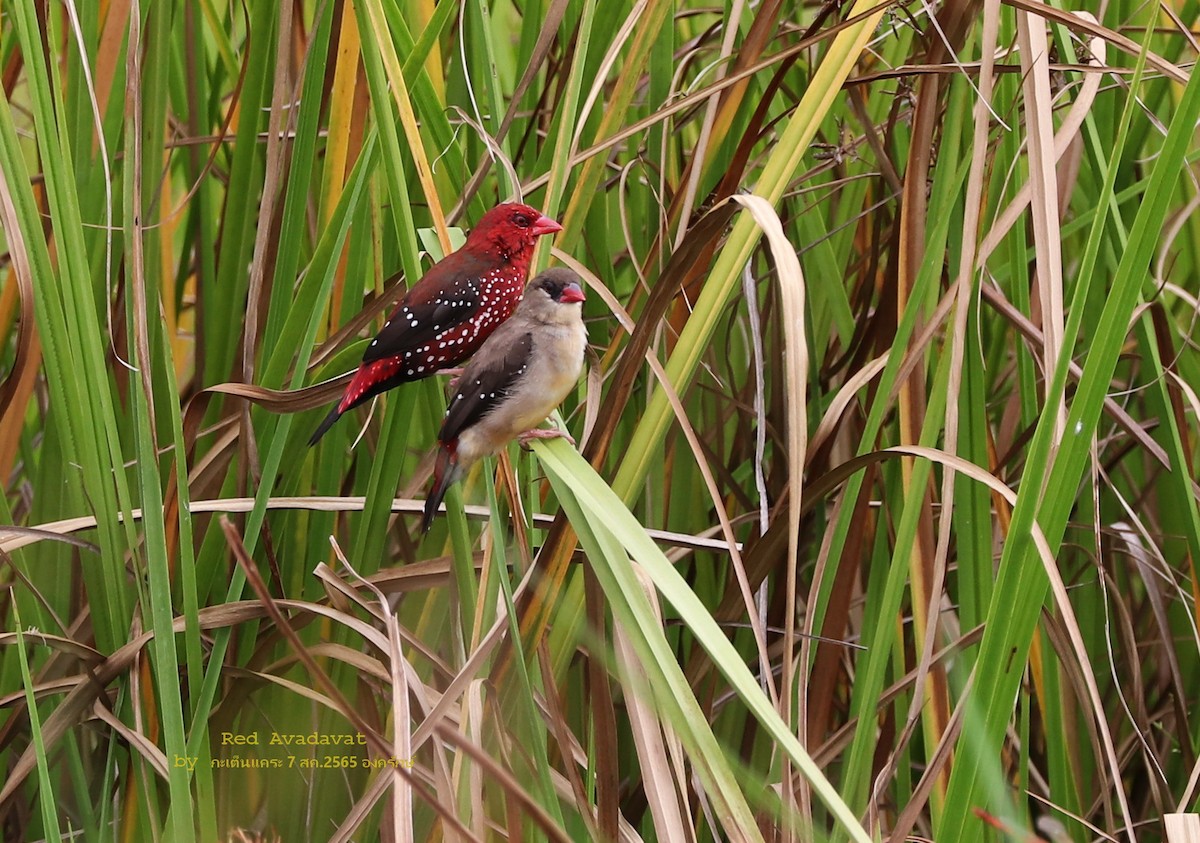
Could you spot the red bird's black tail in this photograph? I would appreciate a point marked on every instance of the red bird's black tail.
(445, 472)
(325, 424)
(371, 379)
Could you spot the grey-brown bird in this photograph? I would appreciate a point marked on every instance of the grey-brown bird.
(516, 379)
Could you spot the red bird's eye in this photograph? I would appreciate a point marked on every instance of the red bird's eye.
(522, 220)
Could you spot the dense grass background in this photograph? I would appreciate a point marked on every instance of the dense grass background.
(883, 523)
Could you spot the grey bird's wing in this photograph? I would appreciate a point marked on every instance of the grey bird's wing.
(487, 382)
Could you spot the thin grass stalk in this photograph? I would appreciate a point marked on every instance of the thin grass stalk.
(49, 815)
(169, 698)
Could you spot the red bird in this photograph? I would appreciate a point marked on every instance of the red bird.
(448, 314)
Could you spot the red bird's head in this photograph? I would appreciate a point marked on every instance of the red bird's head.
(509, 232)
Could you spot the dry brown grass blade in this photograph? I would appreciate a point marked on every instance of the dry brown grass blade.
(41, 691)
(287, 400)
(1047, 238)
(791, 296)
(474, 664)
(137, 741)
(422, 693)
(1074, 21)
(472, 720)
(356, 659)
(1182, 828)
(572, 753)
(67, 646)
(663, 782)
(416, 576)
(397, 677)
(501, 777)
(1067, 132)
(603, 714)
(266, 244)
(1189, 792)
(360, 812)
(592, 403)
(837, 407)
(35, 534)
(829, 665)
(137, 259)
(389, 582)
(63, 655)
(14, 538)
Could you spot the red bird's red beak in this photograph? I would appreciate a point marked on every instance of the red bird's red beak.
(572, 293)
(544, 225)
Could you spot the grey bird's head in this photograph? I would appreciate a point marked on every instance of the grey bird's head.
(548, 295)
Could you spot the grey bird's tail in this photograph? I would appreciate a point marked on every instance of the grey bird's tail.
(446, 471)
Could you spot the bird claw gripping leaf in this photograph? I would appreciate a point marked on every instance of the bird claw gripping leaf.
(523, 439)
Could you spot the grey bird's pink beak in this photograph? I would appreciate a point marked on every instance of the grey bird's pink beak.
(572, 293)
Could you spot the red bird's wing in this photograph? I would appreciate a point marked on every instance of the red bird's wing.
(447, 297)
(415, 325)
(439, 323)
(485, 383)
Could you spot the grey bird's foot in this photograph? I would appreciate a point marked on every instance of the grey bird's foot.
(543, 433)
(453, 374)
